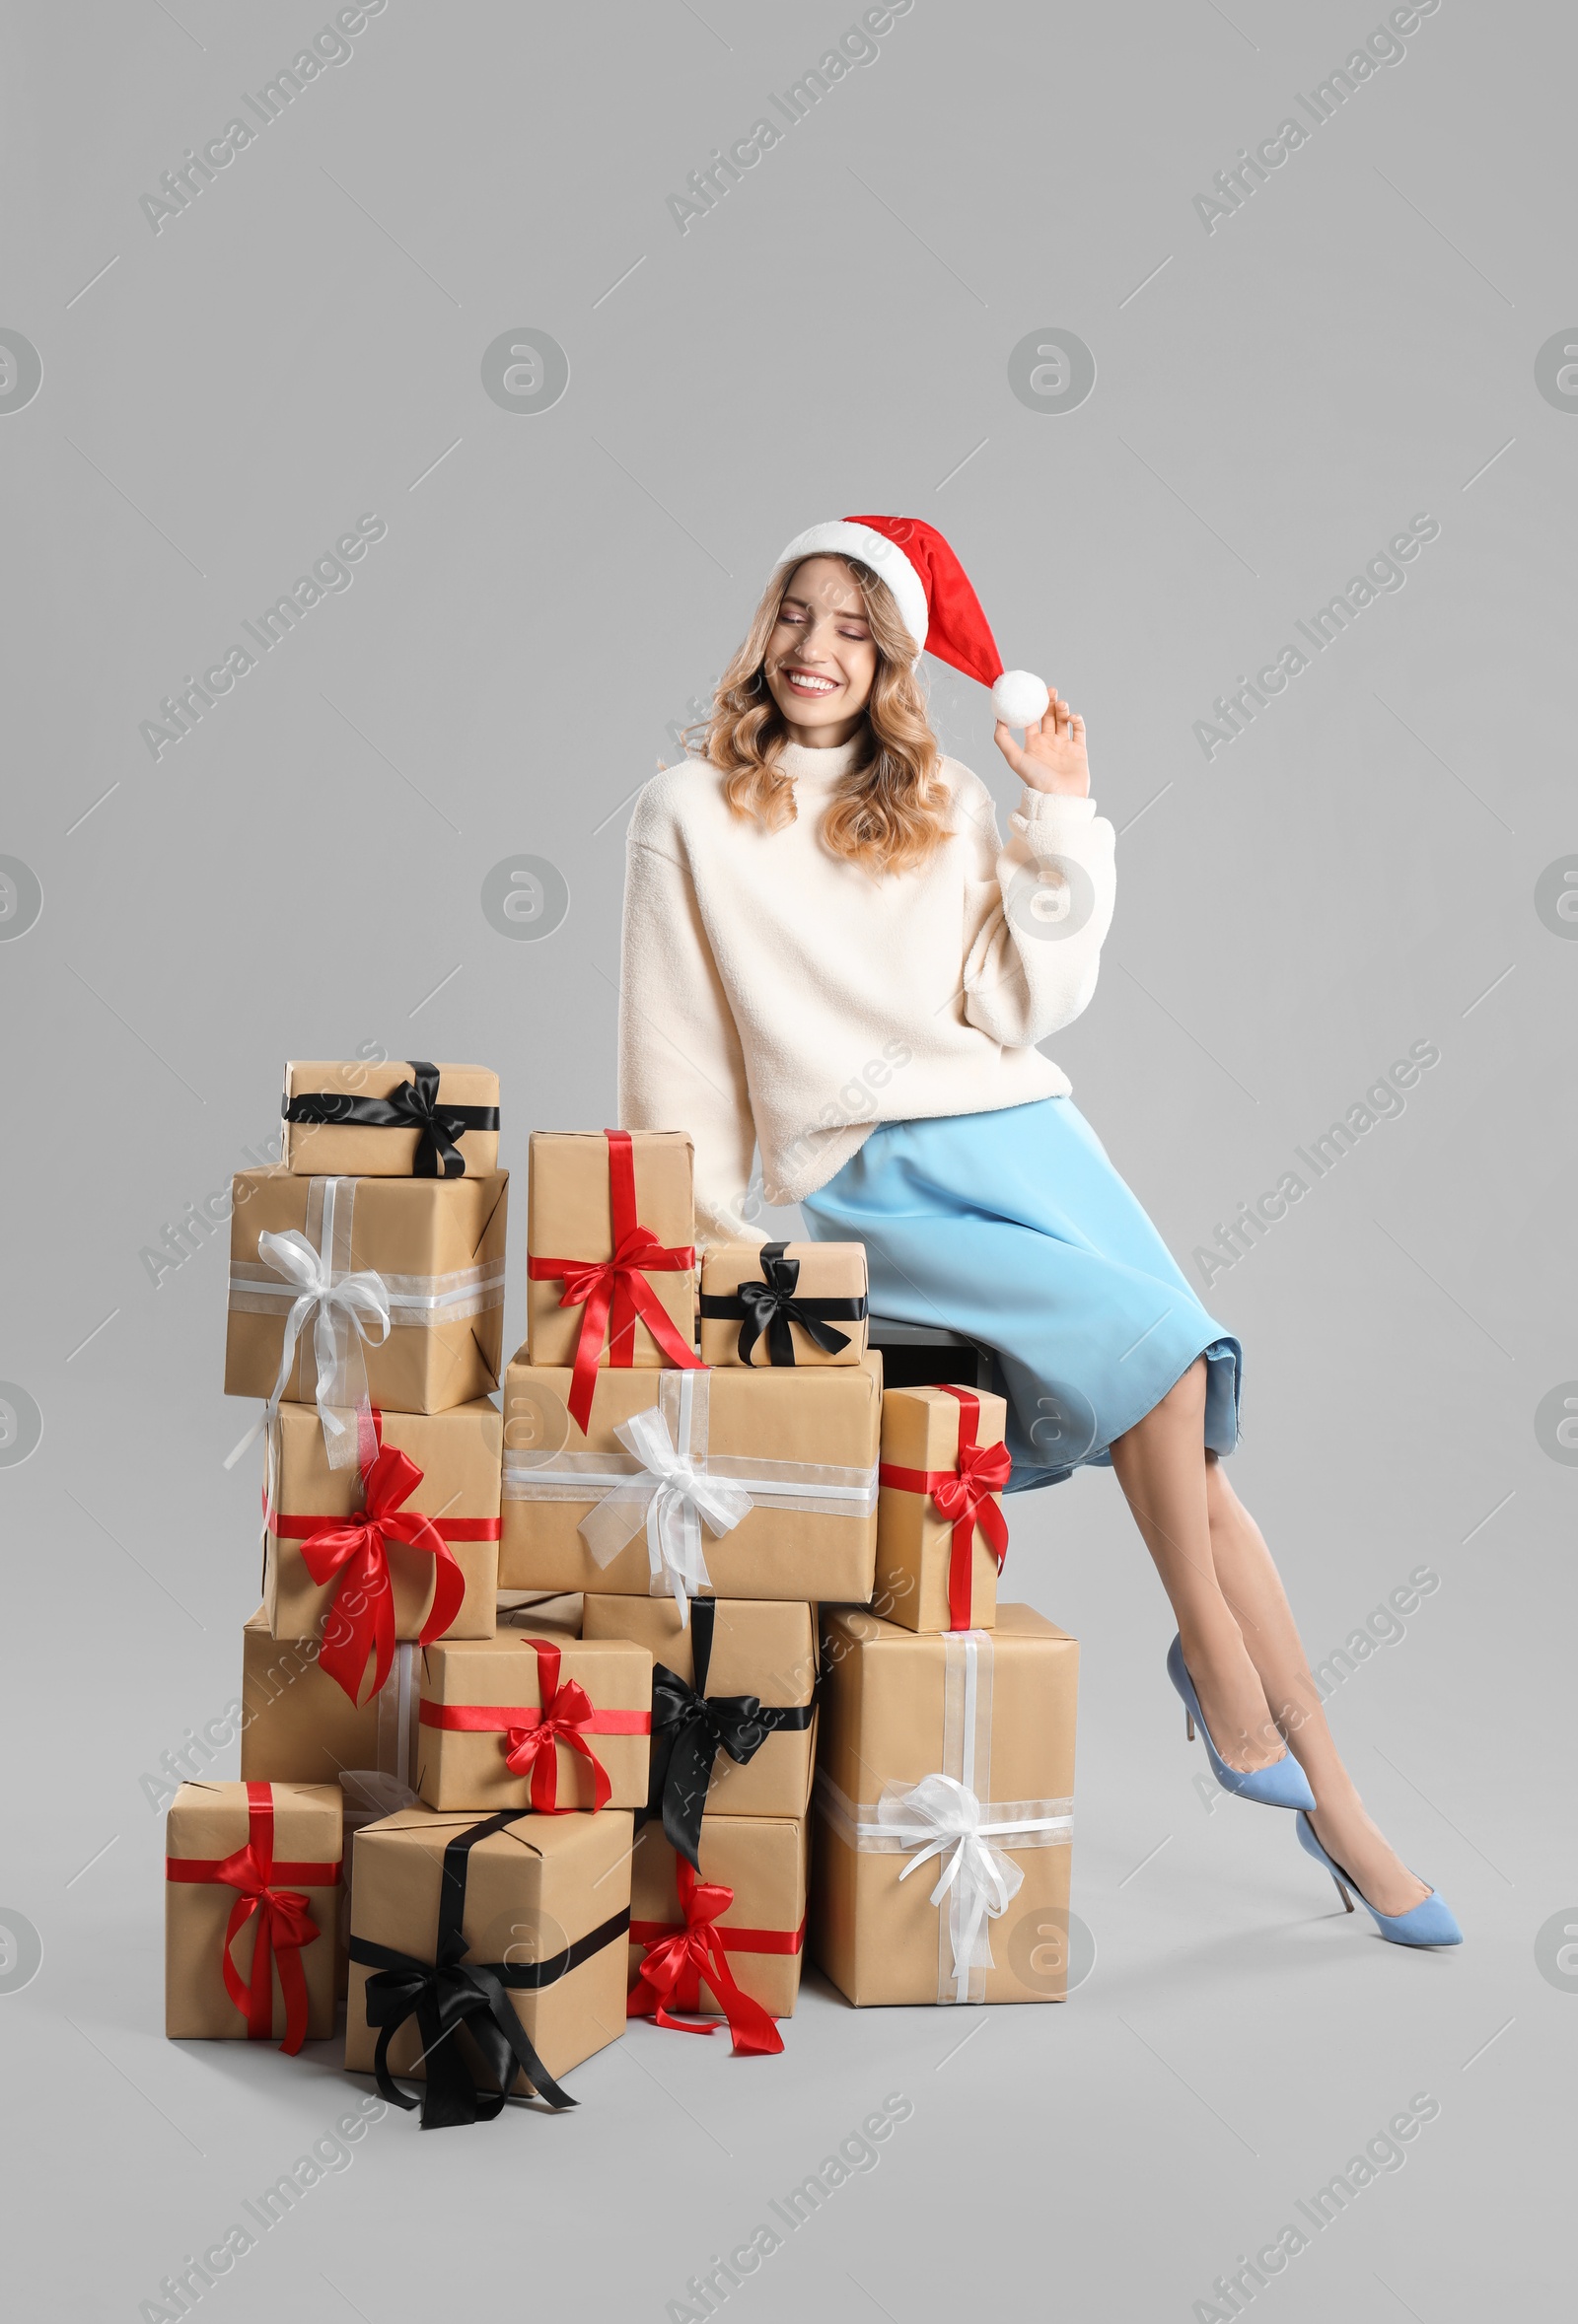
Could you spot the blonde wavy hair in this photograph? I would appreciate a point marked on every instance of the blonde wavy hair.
(890, 812)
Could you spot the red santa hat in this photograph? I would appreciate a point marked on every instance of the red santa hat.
(935, 602)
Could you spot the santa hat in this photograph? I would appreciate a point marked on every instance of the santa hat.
(935, 602)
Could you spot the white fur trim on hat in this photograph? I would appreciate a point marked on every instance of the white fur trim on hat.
(887, 560)
(1019, 698)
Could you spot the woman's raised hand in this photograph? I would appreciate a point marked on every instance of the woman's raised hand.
(1052, 757)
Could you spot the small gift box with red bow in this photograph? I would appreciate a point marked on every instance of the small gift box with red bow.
(399, 1119)
(404, 1546)
(487, 1955)
(783, 1302)
(611, 1257)
(941, 1533)
(725, 1940)
(548, 1721)
(251, 1896)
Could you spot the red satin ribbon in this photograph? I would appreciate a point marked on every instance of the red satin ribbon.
(964, 1496)
(529, 1738)
(356, 1550)
(614, 1292)
(283, 1922)
(680, 1955)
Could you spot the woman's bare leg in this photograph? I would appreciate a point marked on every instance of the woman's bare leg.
(1251, 1583)
(1161, 1466)
(1240, 1642)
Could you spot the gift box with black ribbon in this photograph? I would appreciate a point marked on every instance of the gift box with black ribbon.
(724, 1941)
(941, 1533)
(397, 1119)
(346, 1293)
(489, 1955)
(539, 1720)
(734, 1482)
(944, 1800)
(404, 1546)
(251, 1897)
(783, 1302)
(610, 1253)
(733, 1722)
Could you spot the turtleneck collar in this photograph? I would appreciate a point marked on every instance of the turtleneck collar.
(818, 769)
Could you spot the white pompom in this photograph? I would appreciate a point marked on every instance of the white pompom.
(1020, 698)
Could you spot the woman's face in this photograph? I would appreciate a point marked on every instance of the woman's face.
(821, 660)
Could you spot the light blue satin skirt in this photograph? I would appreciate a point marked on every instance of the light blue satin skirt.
(1014, 1229)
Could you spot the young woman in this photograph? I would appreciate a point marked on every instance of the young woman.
(830, 955)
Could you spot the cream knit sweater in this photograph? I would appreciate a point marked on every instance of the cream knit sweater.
(774, 996)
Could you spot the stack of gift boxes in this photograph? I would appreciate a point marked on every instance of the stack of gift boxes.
(562, 1691)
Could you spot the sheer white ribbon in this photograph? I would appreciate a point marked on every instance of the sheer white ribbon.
(342, 1308)
(942, 1817)
(673, 1495)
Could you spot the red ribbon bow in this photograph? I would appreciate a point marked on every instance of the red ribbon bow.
(356, 1549)
(677, 1959)
(565, 1713)
(965, 1495)
(284, 1924)
(613, 1293)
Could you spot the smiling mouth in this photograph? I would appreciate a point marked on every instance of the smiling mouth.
(801, 681)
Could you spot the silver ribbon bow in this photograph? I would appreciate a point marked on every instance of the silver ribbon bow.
(342, 1308)
(941, 1816)
(674, 1496)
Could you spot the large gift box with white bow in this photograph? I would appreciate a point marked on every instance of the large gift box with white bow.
(489, 1954)
(399, 1119)
(402, 1546)
(941, 1533)
(345, 1291)
(944, 1797)
(535, 1717)
(742, 1484)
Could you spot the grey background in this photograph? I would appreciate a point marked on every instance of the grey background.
(303, 874)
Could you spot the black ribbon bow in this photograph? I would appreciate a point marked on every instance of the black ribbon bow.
(770, 1307)
(688, 1730)
(450, 1994)
(412, 1105)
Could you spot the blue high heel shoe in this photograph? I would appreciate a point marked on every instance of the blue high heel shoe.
(1429, 1922)
(1281, 1785)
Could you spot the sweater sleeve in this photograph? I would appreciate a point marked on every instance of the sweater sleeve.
(1036, 914)
(681, 1063)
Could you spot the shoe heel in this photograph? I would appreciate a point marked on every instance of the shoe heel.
(1188, 1727)
(1348, 1901)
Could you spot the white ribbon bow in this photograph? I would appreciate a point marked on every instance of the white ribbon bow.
(940, 1814)
(340, 1312)
(674, 1497)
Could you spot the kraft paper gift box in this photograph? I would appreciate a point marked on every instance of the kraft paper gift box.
(726, 1942)
(541, 1904)
(941, 1533)
(734, 1717)
(399, 1119)
(611, 1227)
(734, 1483)
(406, 1546)
(252, 1899)
(427, 1253)
(299, 1726)
(783, 1302)
(938, 1751)
(536, 1718)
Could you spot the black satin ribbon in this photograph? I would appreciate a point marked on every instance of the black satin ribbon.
(413, 1105)
(449, 1992)
(770, 1307)
(688, 1730)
